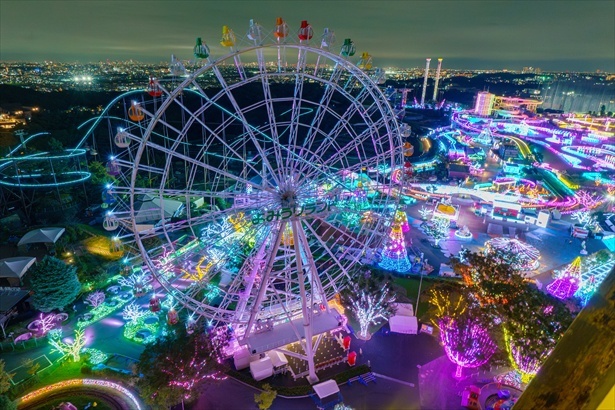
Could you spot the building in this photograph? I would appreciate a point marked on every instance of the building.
(484, 103)
(508, 150)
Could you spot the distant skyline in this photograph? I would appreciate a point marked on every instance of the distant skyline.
(553, 35)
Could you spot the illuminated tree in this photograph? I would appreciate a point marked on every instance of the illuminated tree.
(133, 312)
(402, 219)
(587, 200)
(395, 254)
(54, 284)
(438, 229)
(368, 302)
(174, 368)
(466, 342)
(136, 281)
(95, 299)
(47, 322)
(586, 290)
(5, 378)
(567, 282)
(73, 348)
(425, 212)
(265, 399)
(448, 299)
(584, 217)
(535, 321)
(527, 365)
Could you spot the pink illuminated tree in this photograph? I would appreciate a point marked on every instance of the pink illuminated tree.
(567, 282)
(466, 342)
(589, 200)
(47, 322)
(175, 367)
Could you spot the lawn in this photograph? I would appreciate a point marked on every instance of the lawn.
(411, 284)
(101, 246)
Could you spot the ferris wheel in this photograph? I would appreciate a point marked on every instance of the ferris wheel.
(254, 187)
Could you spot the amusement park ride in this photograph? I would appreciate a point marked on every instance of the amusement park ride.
(240, 179)
(249, 174)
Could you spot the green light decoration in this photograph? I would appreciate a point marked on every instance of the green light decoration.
(351, 219)
(95, 356)
(73, 348)
(103, 310)
(133, 327)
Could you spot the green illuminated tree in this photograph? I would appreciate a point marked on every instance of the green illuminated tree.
(73, 348)
(265, 399)
(5, 378)
(54, 284)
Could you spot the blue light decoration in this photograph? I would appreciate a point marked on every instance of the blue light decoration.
(394, 254)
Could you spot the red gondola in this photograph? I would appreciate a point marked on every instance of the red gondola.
(305, 31)
(153, 88)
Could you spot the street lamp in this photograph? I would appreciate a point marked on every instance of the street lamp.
(418, 296)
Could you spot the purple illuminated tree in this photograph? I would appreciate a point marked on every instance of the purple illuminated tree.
(567, 282)
(47, 322)
(394, 254)
(525, 363)
(466, 342)
(587, 200)
(95, 299)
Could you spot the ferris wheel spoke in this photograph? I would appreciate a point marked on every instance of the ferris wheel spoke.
(324, 102)
(298, 98)
(310, 261)
(328, 251)
(238, 115)
(215, 134)
(265, 278)
(206, 166)
(354, 144)
(341, 125)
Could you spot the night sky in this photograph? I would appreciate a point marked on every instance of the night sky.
(554, 35)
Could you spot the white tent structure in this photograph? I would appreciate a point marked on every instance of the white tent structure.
(326, 389)
(261, 369)
(404, 320)
(13, 269)
(42, 235)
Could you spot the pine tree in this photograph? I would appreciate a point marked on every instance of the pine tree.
(54, 284)
(394, 254)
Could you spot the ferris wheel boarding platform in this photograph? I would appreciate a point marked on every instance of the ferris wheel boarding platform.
(287, 333)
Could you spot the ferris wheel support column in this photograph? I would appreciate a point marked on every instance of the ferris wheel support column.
(307, 313)
(264, 280)
(314, 277)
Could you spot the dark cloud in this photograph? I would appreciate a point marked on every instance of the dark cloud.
(559, 35)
